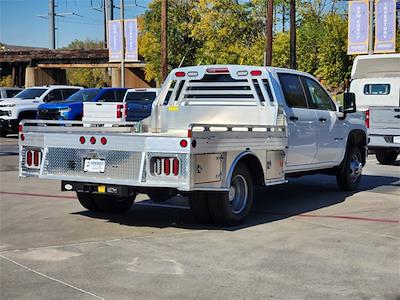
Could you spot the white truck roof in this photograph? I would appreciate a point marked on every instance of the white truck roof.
(375, 66)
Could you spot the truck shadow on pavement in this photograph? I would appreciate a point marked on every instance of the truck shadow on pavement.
(300, 196)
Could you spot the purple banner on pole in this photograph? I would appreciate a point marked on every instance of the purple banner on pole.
(131, 34)
(115, 40)
(358, 27)
(385, 26)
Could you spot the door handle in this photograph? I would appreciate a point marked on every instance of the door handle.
(322, 119)
(397, 116)
(144, 107)
(293, 118)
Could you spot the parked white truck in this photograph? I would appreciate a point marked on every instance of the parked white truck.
(214, 133)
(24, 105)
(375, 80)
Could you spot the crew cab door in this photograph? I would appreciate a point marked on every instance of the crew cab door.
(331, 132)
(302, 123)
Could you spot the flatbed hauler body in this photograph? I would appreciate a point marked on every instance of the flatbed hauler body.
(214, 133)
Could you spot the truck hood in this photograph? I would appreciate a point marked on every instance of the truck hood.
(16, 101)
(60, 104)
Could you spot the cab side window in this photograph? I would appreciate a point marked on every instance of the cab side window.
(120, 95)
(69, 92)
(316, 95)
(292, 90)
(108, 96)
(54, 95)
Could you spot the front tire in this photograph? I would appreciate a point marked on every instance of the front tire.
(229, 209)
(349, 177)
(386, 156)
(113, 204)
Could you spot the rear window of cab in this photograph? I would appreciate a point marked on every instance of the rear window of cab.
(377, 89)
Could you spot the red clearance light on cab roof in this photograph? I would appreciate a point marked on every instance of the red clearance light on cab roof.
(255, 73)
(217, 70)
(93, 140)
(82, 140)
(103, 140)
(180, 74)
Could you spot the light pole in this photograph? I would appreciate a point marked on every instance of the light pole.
(268, 44)
(123, 44)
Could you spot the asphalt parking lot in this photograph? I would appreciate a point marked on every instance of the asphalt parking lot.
(304, 240)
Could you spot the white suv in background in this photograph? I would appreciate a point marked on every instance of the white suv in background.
(24, 104)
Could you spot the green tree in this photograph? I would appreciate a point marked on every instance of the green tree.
(181, 45)
(334, 65)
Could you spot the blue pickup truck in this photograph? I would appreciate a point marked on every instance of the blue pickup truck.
(72, 107)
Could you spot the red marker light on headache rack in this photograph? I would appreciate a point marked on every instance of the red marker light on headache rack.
(183, 143)
(93, 140)
(103, 140)
(255, 73)
(82, 140)
(180, 74)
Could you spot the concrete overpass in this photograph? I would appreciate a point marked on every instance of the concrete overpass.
(30, 67)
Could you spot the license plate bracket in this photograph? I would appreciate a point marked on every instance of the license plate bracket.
(94, 165)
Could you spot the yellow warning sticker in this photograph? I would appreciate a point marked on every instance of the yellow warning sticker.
(173, 108)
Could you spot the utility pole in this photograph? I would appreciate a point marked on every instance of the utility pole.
(123, 43)
(108, 15)
(52, 25)
(293, 64)
(164, 41)
(283, 16)
(371, 27)
(268, 44)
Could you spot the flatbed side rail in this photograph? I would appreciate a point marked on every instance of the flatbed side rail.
(45, 126)
(207, 130)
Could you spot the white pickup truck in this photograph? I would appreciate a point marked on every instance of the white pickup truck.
(24, 104)
(375, 80)
(135, 106)
(215, 132)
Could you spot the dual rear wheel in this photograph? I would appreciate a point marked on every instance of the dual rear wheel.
(225, 208)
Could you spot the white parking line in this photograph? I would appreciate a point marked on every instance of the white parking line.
(51, 278)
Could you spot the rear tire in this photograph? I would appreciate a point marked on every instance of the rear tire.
(198, 203)
(229, 209)
(349, 177)
(159, 196)
(86, 200)
(113, 204)
(386, 156)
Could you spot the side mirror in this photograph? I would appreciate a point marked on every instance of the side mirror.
(349, 103)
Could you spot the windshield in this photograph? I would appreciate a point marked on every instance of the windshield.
(83, 95)
(140, 96)
(30, 93)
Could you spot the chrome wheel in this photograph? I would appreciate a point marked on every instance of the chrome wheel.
(238, 194)
(355, 168)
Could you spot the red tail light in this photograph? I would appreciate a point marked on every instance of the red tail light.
(175, 166)
(36, 158)
(22, 137)
(167, 166)
(120, 108)
(367, 118)
(29, 158)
